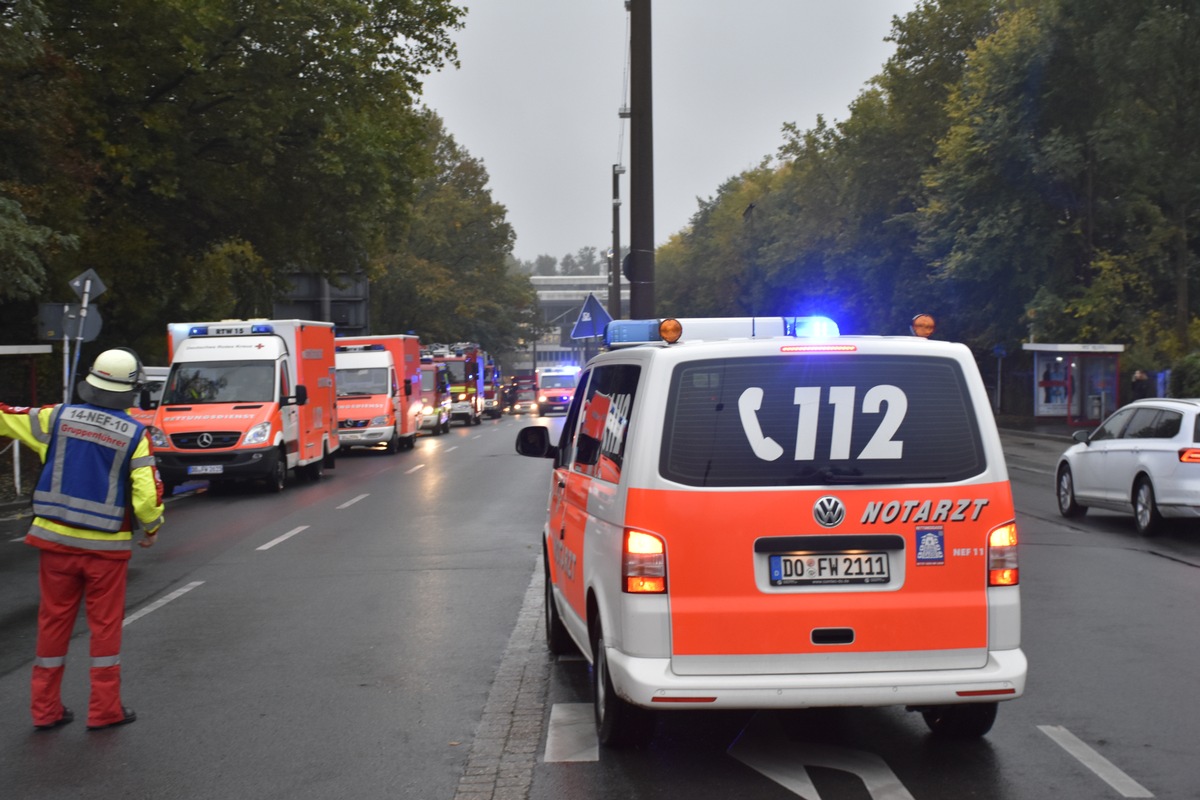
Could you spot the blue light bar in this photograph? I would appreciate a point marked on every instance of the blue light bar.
(261, 329)
(198, 330)
(812, 327)
(631, 331)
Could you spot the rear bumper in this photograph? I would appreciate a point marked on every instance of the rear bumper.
(649, 682)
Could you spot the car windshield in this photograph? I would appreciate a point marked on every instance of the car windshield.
(220, 382)
(372, 380)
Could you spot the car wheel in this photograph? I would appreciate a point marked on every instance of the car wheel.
(968, 721)
(477, 420)
(393, 444)
(1067, 504)
(618, 722)
(558, 641)
(446, 426)
(1145, 510)
(316, 470)
(278, 478)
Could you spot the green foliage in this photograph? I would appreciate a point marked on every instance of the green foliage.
(1018, 168)
(1185, 376)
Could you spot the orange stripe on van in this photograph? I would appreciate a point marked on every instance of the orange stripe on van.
(719, 606)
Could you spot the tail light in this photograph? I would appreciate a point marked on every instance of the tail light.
(643, 563)
(1002, 556)
(1190, 455)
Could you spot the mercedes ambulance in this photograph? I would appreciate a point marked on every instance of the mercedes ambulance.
(379, 391)
(555, 388)
(761, 513)
(247, 400)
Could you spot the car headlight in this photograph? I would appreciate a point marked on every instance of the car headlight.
(427, 410)
(259, 434)
(462, 396)
(377, 421)
(157, 437)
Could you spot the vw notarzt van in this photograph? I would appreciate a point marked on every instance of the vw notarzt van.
(760, 513)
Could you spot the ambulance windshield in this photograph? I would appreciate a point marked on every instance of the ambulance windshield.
(220, 382)
(820, 420)
(373, 380)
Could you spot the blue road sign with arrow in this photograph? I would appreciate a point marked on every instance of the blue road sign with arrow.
(592, 319)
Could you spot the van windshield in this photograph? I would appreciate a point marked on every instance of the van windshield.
(558, 381)
(220, 382)
(372, 380)
(819, 420)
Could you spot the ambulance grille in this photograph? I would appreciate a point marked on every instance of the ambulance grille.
(205, 440)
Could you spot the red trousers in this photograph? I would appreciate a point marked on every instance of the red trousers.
(66, 579)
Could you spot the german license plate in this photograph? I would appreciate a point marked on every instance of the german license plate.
(812, 569)
(206, 469)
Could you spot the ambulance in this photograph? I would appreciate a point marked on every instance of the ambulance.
(435, 398)
(555, 388)
(247, 400)
(760, 513)
(379, 391)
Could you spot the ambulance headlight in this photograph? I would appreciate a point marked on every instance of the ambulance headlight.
(462, 396)
(259, 434)
(157, 437)
(427, 410)
(377, 421)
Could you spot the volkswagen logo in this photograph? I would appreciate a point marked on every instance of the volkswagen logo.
(204, 440)
(829, 512)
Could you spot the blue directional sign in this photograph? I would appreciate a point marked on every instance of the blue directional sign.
(592, 319)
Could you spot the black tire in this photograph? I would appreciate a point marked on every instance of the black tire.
(446, 426)
(1146, 516)
(315, 471)
(477, 420)
(558, 641)
(278, 478)
(393, 444)
(169, 488)
(437, 428)
(618, 722)
(1068, 506)
(968, 721)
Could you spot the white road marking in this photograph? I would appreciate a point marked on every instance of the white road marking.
(157, 604)
(283, 538)
(477, 436)
(764, 747)
(1097, 763)
(352, 501)
(571, 735)
(414, 469)
(448, 449)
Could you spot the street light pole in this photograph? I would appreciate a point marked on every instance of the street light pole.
(641, 164)
(614, 264)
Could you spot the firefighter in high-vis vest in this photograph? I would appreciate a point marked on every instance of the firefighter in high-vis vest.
(98, 482)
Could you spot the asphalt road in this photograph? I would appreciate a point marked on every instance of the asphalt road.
(391, 646)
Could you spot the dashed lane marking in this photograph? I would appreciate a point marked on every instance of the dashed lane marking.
(571, 735)
(283, 538)
(1104, 769)
(352, 501)
(414, 469)
(157, 604)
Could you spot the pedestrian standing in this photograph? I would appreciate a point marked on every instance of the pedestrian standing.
(1140, 386)
(98, 479)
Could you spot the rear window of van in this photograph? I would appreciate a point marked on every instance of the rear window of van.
(825, 419)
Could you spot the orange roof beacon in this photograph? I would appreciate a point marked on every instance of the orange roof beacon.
(762, 513)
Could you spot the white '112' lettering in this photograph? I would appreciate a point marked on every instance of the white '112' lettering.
(883, 399)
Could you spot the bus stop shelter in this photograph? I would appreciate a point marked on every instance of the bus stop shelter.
(1076, 382)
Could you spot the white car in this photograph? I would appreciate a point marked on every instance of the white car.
(1144, 459)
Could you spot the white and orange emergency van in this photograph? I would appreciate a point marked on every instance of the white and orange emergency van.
(760, 513)
(379, 391)
(247, 400)
(555, 388)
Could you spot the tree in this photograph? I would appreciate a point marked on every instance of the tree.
(449, 279)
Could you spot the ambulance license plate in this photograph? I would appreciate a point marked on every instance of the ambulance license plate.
(812, 569)
(206, 469)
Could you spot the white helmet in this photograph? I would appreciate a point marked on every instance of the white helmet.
(117, 370)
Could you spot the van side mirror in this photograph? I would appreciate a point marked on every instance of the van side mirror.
(299, 398)
(534, 441)
(408, 387)
(146, 401)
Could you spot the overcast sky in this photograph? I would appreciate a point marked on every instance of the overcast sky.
(541, 83)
